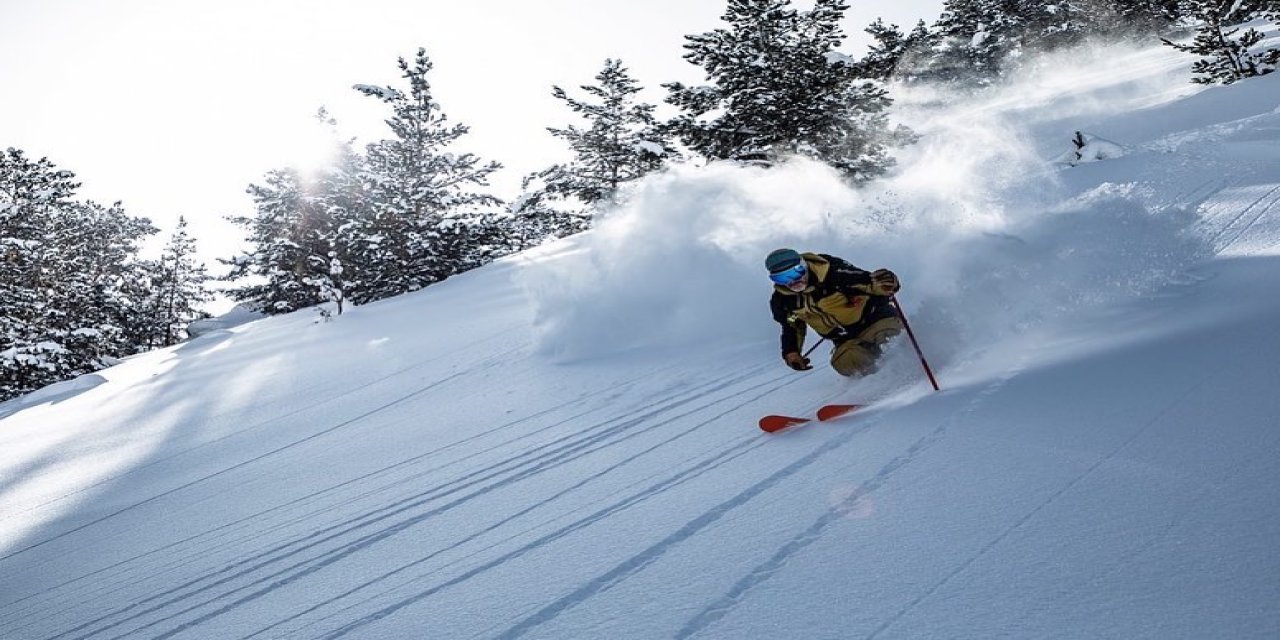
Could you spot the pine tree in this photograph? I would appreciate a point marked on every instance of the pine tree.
(975, 39)
(1228, 54)
(536, 216)
(287, 235)
(889, 46)
(778, 87)
(1146, 15)
(103, 285)
(623, 141)
(32, 196)
(424, 206)
(340, 274)
(69, 277)
(179, 287)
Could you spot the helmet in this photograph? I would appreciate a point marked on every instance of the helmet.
(782, 259)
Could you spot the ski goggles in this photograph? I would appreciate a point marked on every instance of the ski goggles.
(789, 276)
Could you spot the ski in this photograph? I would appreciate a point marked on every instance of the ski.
(771, 424)
(774, 423)
(833, 411)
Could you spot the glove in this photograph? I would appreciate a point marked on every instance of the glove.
(884, 282)
(797, 361)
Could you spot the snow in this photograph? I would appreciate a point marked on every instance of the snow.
(562, 444)
(382, 93)
(837, 58)
(236, 316)
(1089, 148)
(651, 148)
(50, 394)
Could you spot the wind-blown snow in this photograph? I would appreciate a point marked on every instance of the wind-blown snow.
(563, 444)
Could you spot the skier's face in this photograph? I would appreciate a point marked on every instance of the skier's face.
(799, 285)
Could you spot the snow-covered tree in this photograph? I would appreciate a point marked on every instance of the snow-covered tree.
(179, 287)
(348, 250)
(973, 41)
(889, 45)
(622, 142)
(424, 199)
(1229, 52)
(1146, 15)
(369, 226)
(778, 87)
(72, 286)
(537, 216)
(288, 231)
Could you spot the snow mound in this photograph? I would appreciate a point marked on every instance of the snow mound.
(237, 316)
(56, 392)
(1089, 148)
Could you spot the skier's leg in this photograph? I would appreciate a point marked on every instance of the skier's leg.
(854, 358)
(857, 357)
(880, 331)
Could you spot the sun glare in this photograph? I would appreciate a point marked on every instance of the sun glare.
(306, 147)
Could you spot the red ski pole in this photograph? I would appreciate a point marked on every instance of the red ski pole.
(911, 334)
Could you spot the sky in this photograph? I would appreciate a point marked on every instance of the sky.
(553, 458)
(175, 107)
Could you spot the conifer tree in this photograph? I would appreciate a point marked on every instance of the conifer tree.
(537, 216)
(347, 250)
(973, 40)
(69, 277)
(888, 48)
(623, 141)
(103, 285)
(179, 288)
(1146, 15)
(286, 235)
(778, 87)
(1228, 53)
(424, 199)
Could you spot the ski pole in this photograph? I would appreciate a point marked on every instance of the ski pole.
(911, 334)
(815, 346)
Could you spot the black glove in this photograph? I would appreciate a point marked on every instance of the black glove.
(797, 361)
(884, 282)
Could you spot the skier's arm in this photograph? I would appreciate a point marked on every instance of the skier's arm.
(852, 281)
(792, 330)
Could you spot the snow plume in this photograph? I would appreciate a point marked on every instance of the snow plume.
(995, 239)
(682, 261)
(987, 237)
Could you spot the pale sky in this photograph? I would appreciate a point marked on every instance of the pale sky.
(174, 107)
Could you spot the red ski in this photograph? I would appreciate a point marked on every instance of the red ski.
(771, 424)
(833, 411)
(778, 423)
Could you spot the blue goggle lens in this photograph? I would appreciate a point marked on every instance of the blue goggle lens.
(789, 276)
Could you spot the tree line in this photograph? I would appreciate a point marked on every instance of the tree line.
(404, 212)
(76, 295)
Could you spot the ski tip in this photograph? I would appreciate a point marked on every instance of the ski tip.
(770, 424)
(833, 411)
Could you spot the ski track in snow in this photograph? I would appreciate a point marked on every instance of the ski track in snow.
(212, 588)
(1177, 398)
(730, 600)
(244, 463)
(313, 391)
(1217, 240)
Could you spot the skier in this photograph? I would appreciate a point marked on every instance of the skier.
(842, 303)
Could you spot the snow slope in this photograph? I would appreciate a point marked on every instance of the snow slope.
(562, 444)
